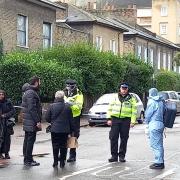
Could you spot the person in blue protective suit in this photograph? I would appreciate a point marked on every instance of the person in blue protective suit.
(154, 118)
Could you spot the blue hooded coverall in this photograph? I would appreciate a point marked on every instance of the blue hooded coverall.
(154, 118)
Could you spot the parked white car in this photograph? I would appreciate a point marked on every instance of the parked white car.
(98, 112)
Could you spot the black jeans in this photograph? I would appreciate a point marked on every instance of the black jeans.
(29, 140)
(59, 145)
(6, 143)
(76, 121)
(121, 129)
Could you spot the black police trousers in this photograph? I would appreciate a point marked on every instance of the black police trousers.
(59, 146)
(29, 140)
(76, 121)
(120, 127)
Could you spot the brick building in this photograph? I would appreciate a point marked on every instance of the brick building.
(31, 24)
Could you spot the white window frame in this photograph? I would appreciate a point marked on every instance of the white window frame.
(179, 29)
(163, 28)
(169, 61)
(25, 31)
(164, 10)
(99, 40)
(164, 61)
(112, 46)
(159, 59)
(49, 38)
(145, 54)
(151, 56)
(175, 67)
(139, 51)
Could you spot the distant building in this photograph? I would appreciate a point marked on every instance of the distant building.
(166, 19)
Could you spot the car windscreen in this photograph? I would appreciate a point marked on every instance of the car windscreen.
(164, 95)
(105, 99)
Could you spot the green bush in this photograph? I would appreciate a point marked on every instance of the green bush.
(167, 81)
(96, 72)
(13, 75)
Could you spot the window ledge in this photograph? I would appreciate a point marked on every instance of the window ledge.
(26, 47)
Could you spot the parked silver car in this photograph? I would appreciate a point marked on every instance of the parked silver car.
(171, 96)
(98, 112)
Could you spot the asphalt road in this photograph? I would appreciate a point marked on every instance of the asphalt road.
(92, 158)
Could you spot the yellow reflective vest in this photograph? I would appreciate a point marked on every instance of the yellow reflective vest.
(76, 103)
(128, 108)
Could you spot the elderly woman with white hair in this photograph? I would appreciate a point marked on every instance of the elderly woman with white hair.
(59, 115)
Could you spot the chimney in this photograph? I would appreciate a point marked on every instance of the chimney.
(89, 5)
(132, 6)
(94, 5)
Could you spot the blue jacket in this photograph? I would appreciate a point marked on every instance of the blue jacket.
(155, 107)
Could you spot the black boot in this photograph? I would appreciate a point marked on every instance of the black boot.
(71, 159)
(62, 163)
(7, 156)
(113, 159)
(157, 166)
(2, 157)
(122, 159)
(55, 164)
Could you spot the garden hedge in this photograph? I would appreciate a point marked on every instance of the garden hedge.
(96, 72)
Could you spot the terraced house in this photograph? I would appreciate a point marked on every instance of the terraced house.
(31, 24)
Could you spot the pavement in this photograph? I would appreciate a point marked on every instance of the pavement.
(42, 135)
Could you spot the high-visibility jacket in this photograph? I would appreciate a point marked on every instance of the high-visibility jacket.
(76, 103)
(127, 108)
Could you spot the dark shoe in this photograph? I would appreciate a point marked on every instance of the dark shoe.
(62, 164)
(113, 159)
(7, 156)
(32, 163)
(122, 159)
(71, 159)
(157, 166)
(2, 157)
(55, 164)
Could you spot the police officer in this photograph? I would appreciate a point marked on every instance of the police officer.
(74, 97)
(122, 114)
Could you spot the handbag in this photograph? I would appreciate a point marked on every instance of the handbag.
(10, 123)
(72, 142)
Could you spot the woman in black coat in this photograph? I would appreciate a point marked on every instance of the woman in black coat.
(60, 116)
(6, 112)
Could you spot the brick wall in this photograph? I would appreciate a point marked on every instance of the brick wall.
(129, 15)
(65, 35)
(36, 16)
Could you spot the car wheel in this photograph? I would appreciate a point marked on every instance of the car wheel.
(92, 124)
(141, 118)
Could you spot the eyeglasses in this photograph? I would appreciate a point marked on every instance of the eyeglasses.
(2, 94)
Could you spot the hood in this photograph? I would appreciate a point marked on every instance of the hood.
(27, 86)
(153, 94)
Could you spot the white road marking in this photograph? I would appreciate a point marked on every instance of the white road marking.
(126, 169)
(83, 171)
(165, 174)
(101, 170)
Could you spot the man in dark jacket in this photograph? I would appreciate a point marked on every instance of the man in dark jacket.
(60, 116)
(32, 112)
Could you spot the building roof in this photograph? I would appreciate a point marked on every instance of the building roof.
(125, 3)
(116, 3)
(77, 15)
(47, 3)
(139, 31)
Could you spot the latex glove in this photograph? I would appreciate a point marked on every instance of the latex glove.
(146, 130)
